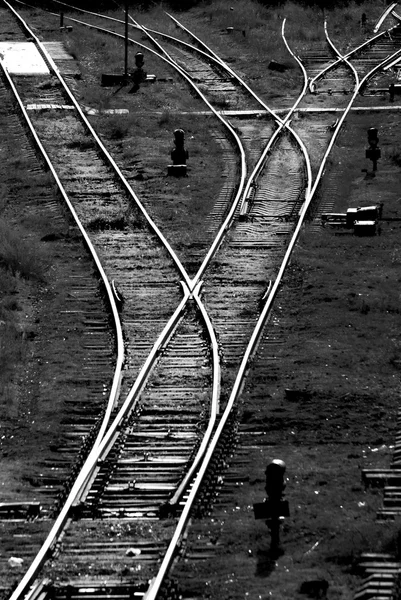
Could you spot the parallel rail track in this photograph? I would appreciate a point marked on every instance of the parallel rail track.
(116, 473)
(106, 228)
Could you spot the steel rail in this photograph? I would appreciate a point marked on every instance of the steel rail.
(396, 16)
(386, 12)
(152, 31)
(99, 451)
(380, 66)
(207, 53)
(156, 583)
(192, 283)
(194, 286)
(392, 64)
(225, 123)
(212, 54)
(186, 508)
(88, 467)
(216, 383)
(105, 152)
(259, 165)
(110, 436)
(228, 221)
(312, 82)
(343, 58)
(175, 542)
(112, 162)
(239, 198)
(282, 123)
(115, 389)
(173, 501)
(305, 207)
(359, 84)
(206, 48)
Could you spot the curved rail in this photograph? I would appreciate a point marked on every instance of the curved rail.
(282, 123)
(156, 583)
(286, 120)
(110, 436)
(193, 290)
(387, 11)
(97, 452)
(359, 84)
(344, 57)
(110, 295)
(206, 53)
(227, 223)
(396, 16)
(104, 444)
(245, 363)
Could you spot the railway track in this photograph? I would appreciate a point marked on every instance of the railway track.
(77, 297)
(251, 230)
(116, 472)
(133, 485)
(108, 219)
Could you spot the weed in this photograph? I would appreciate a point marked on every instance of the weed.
(373, 537)
(116, 127)
(82, 142)
(19, 256)
(3, 197)
(394, 154)
(165, 118)
(96, 97)
(10, 346)
(46, 85)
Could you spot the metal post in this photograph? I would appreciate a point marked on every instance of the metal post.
(126, 42)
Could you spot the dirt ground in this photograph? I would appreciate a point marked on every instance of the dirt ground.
(338, 314)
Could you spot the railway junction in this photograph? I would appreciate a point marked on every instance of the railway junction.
(198, 336)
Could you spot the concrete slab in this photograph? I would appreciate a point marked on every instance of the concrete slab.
(22, 58)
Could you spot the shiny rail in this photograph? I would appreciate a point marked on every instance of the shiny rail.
(194, 290)
(109, 439)
(387, 11)
(110, 294)
(101, 450)
(157, 582)
(89, 464)
(346, 57)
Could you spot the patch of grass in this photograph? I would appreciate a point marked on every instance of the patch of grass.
(165, 118)
(96, 97)
(82, 142)
(18, 256)
(116, 127)
(394, 154)
(11, 341)
(368, 537)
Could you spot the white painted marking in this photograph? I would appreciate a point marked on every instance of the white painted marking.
(22, 58)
